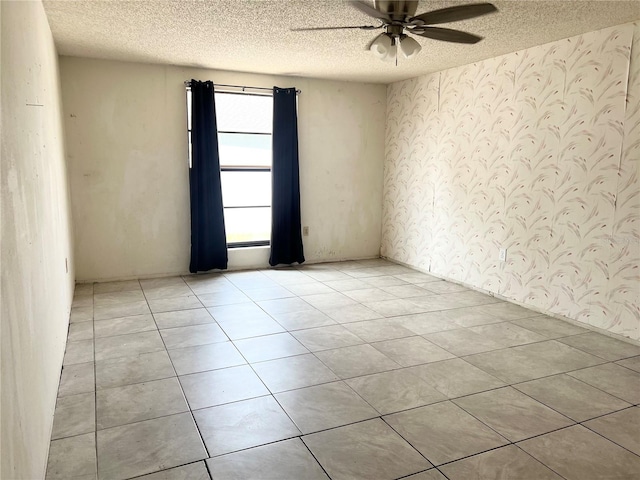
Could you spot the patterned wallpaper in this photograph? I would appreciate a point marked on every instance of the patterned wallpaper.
(536, 151)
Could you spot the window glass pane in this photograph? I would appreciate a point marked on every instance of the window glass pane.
(239, 149)
(244, 113)
(251, 189)
(247, 224)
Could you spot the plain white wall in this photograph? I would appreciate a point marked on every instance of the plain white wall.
(36, 236)
(537, 152)
(126, 144)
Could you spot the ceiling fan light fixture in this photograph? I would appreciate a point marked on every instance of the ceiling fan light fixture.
(381, 46)
(392, 52)
(409, 47)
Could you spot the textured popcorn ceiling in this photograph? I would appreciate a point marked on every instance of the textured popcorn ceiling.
(254, 36)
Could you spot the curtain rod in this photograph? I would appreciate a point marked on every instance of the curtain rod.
(187, 83)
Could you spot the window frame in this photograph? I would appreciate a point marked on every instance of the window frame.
(235, 168)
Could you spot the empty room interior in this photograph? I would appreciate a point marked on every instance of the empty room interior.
(320, 239)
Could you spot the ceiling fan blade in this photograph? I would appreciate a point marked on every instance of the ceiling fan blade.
(372, 12)
(363, 27)
(454, 14)
(445, 34)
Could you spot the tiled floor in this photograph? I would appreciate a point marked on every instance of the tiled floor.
(347, 370)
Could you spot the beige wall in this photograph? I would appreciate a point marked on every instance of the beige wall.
(537, 152)
(126, 145)
(36, 236)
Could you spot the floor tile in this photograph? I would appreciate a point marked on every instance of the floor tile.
(162, 282)
(549, 327)
(602, 346)
(613, 379)
(160, 305)
(183, 318)
(78, 378)
(81, 314)
(346, 285)
(405, 291)
(328, 301)
(456, 378)
(115, 298)
(294, 372)
(351, 313)
(528, 362)
(326, 275)
(206, 283)
(268, 293)
(470, 317)
(621, 427)
(205, 357)
(383, 281)
(573, 398)
(417, 278)
(288, 459)
(508, 334)
(269, 347)
(124, 325)
(463, 341)
(432, 474)
(119, 286)
(577, 453)
(84, 289)
(503, 463)
(145, 447)
(192, 471)
(443, 287)
(121, 310)
(324, 406)
(423, 323)
(72, 457)
(133, 369)
(325, 338)
(507, 311)
(370, 294)
(250, 327)
(433, 303)
(302, 320)
(141, 401)
(470, 298)
(285, 305)
(364, 451)
(82, 301)
(288, 276)
(310, 288)
(168, 291)
(512, 414)
(378, 330)
(393, 308)
(224, 297)
(249, 423)
(240, 312)
(208, 389)
(411, 351)
(390, 392)
(80, 331)
(127, 345)
(78, 352)
(631, 363)
(193, 335)
(347, 362)
(443, 432)
(74, 415)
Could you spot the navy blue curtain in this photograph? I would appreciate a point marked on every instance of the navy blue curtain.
(208, 240)
(286, 234)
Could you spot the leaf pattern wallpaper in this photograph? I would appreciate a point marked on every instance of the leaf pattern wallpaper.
(537, 152)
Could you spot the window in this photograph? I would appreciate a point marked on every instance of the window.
(244, 143)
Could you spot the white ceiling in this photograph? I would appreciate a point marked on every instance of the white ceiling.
(254, 36)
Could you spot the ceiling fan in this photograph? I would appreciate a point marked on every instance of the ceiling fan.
(398, 19)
